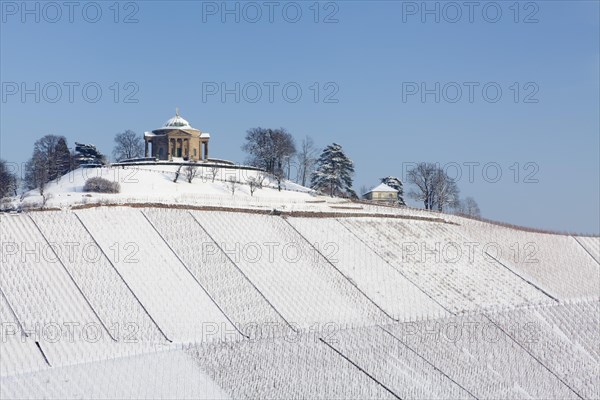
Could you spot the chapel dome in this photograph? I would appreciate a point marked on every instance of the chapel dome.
(177, 122)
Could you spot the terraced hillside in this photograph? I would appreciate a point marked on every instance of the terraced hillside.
(121, 302)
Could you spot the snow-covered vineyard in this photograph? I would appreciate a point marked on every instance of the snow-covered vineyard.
(372, 302)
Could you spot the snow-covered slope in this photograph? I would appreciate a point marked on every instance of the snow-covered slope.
(97, 277)
(388, 287)
(157, 275)
(160, 375)
(441, 261)
(223, 279)
(155, 184)
(209, 294)
(288, 270)
(558, 263)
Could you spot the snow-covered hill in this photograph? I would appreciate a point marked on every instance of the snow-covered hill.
(191, 291)
(155, 184)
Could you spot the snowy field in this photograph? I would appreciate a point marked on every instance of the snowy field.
(563, 265)
(175, 302)
(141, 184)
(388, 288)
(296, 277)
(437, 258)
(161, 375)
(155, 184)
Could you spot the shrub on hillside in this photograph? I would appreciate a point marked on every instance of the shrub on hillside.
(101, 185)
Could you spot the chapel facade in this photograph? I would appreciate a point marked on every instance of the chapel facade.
(177, 140)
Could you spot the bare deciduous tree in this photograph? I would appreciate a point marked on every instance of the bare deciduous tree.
(423, 178)
(279, 178)
(177, 174)
(363, 190)
(269, 148)
(232, 185)
(213, 171)
(254, 182)
(260, 179)
(469, 207)
(190, 172)
(433, 187)
(45, 198)
(51, 159)
(307, 159)
(445, 191)
(36, 174)
(128, 145)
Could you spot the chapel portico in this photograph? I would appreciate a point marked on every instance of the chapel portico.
(177, 139)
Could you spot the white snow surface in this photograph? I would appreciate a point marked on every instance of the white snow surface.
(155, 184)
(172, 301)
(161, 375)
(141, 183)
(382, 187)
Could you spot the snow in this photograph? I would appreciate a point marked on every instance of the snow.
(299, 367)
(591, 245)
(384, 284)
(335, 306)
(551, 346)
(143, 183)
(177, 122)
(19, 353)
(557, 263)
(221, 278)
(396, 367)
(37, 287)
(453, 357)
(578, 322)
(171, 374)
(382, 187)
(292, 275)
(443, 264)
(113, 301)
(481, 358)
(177, 303)
(154, 184)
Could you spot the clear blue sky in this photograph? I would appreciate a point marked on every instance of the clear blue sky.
(374, 55)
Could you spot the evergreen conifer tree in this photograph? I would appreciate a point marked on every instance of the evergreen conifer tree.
(334, 171)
